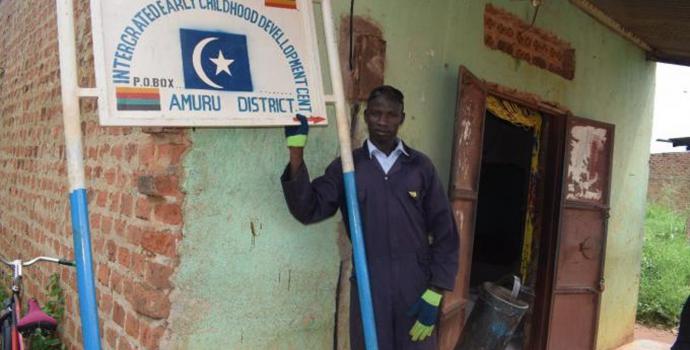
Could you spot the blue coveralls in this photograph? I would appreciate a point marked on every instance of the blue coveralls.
(409, 233)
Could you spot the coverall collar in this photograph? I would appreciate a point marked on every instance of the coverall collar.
(371, 148)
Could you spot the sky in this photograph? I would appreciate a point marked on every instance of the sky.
(671, 106)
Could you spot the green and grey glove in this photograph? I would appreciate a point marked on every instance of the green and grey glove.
(426, 310)
(296, 136)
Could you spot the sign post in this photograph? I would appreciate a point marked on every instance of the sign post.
(81, 233)
(356, 234)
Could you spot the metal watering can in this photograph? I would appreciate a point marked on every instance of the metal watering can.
(494, 318)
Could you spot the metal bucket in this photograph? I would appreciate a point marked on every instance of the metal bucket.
(494, 319)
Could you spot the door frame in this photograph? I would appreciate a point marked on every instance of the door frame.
(552, 156)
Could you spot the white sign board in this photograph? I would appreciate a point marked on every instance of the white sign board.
(207, 62)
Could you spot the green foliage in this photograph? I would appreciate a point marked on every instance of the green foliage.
(55, 307)
(4, 287)
(43, 340)
(665, 275)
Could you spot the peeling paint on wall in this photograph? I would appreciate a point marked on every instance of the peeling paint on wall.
(583, 181)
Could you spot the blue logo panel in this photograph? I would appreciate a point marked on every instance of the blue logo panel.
(215, 61)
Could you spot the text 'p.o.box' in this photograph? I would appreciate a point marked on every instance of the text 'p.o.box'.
(207, 62)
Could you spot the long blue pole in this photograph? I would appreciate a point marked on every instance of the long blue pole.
(81, 234)
(356, 234)
(360, 257)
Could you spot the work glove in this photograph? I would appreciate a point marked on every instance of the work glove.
(426, 310)
(296, 136)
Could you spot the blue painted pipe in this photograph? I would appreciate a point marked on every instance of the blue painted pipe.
(361, 269)
(88, 309)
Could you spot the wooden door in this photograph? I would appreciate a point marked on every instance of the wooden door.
(463, 192)
(578, 281)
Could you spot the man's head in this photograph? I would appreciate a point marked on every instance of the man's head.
(384, 115)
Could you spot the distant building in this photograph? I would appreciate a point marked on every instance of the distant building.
(669, 180)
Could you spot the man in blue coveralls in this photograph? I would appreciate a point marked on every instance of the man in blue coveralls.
(409, 232)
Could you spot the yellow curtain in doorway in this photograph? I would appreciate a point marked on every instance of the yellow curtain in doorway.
(532, 121)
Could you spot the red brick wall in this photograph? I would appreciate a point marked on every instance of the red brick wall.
(669, 179)
(133, 180)
(507, 32)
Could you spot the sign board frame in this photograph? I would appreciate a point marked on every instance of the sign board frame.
(107, 98)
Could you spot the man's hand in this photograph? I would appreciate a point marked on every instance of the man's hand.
(426, 310)
(296, 136)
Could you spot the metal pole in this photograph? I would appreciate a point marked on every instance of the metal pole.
(356, 234)
(88, 309)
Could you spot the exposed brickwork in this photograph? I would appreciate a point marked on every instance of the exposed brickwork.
(368, 57)
(669, 179)
(506, 32)
(135, 230)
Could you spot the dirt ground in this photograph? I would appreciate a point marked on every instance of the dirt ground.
(660, 335)
(647, 338)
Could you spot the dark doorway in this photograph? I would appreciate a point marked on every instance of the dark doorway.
(502, 203)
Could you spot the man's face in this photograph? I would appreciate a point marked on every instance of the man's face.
(383, 118)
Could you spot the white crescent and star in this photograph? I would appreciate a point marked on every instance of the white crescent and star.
(222, 63)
